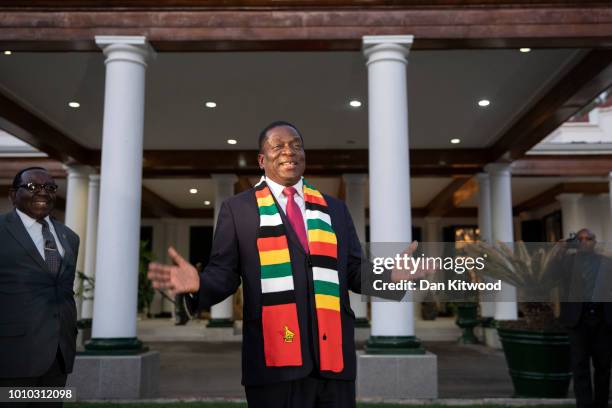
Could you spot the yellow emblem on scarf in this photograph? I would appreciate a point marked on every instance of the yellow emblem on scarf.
(288, 337)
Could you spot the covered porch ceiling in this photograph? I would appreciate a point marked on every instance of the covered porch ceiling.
(302, 62)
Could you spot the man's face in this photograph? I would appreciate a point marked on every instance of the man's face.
(37, 204)
(282, 156)
(586, 241)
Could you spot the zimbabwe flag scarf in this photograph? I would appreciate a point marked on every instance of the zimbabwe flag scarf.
(281, 332)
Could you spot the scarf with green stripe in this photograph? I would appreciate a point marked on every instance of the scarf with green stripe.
(281, 332)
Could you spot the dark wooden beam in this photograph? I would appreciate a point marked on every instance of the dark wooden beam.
(549, 196)
(225, 25)
(591, 76)
(155, 206)
(567, 165)
(29, 127)
(203, 163)
(9, 166)
(444, 201)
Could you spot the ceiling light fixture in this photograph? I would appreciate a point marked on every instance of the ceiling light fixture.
(455, 141)
(355, 103)
(206, 202)
(74, 105)
(232, 141)
(524, 49)
(7, 52)
(484, 103)
(211, 104)
(193, 190)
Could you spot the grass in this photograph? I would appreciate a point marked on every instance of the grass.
(243, 405)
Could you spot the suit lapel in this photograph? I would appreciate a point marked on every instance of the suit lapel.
(16, 228)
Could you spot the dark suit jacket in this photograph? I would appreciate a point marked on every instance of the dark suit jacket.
(572, 280)
(37, 307)
(234, 258)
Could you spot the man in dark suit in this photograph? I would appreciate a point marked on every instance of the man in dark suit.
(37, 270)
(587, 313)
(297, 254)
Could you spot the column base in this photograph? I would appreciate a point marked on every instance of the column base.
(214, 323)
(394, 345)
(362, 322)
(104, 377)
(117, 346)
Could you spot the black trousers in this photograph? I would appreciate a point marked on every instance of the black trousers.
(54, 377)
(309, 392)
(591, 342)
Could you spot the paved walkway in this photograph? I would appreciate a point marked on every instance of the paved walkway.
(208, 370)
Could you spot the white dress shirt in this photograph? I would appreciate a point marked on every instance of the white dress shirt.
(277, 191)
(34, 229)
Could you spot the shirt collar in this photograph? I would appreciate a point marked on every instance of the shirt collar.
(29, 221)
(277, 189)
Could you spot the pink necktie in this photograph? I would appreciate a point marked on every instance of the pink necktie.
(294, 214)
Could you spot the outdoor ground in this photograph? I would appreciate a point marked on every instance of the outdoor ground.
(212, 370)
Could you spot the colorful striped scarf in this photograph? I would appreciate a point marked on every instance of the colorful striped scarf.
(282, 341)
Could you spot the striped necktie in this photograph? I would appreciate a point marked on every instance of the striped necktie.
(52, 255)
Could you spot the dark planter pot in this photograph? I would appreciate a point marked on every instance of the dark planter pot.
(539, 362)
(467, 319)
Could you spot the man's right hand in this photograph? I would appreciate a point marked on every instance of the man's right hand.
(182, 277)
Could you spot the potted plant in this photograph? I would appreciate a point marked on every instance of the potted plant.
(536, 346)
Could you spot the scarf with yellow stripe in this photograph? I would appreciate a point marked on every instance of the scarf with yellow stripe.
(281, 332)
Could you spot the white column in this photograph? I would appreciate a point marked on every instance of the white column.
(571, 217)
(390, 219)
(484, 207)
(487, 309)
(93, 198)
(76, 216)
(115, 298)
(221, 314)
(355, 201)
(502, 231)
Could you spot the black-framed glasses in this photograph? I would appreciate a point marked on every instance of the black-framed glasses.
(35, 187)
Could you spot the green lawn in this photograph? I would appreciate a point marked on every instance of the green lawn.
(243, 405)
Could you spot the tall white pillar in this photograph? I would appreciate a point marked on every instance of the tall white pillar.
(487, 309)
(76, 216)
(355, 201)
(93, 198)
(502, 230)
(571, 217)
(390, 219)
(484, 207)
(117, 260)
(221, 314)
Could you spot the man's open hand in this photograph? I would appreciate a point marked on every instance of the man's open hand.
(398, 275)
(182, 277)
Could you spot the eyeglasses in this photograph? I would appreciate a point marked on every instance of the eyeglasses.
(35, 188)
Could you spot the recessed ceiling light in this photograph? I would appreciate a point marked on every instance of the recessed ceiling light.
(232, 141)
(355, 103)
(193, 190)
(211, 104)
(7, 52)
(484, 103)
(524, 49)
(455, 141)
(74, 104)
(206, 202)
